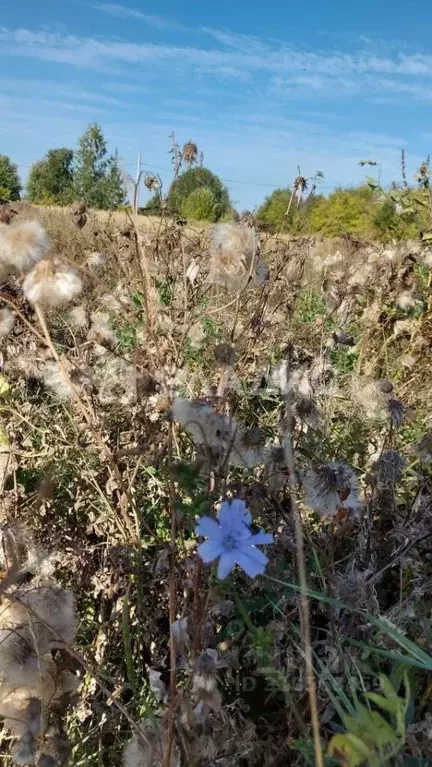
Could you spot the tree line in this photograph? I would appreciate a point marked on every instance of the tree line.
(90, 174)
(64, 176)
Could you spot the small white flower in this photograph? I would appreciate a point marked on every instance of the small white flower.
(52, 283)
(22, 245)
(7, 320)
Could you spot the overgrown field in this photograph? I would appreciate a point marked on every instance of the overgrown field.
(155, 376)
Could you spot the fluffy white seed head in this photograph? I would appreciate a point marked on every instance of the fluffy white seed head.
(100, 331)
(7, 320)
(54, 378)
(18, 548)
(21, 712)
(205, 425)
(115, 380)
(427, 258)
(52, 283)
(44, 617)
(234, 260)
(24, 751)
(331, 488)
(22, 245)
(368, 397)
(96, 262)
(404, 327)
(405, 301)
(78, 318)
(220, 432)
(63, 385)
(149, 752)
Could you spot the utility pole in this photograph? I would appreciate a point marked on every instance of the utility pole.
(137, 183)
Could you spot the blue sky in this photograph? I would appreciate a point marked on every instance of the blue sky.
(260, 87)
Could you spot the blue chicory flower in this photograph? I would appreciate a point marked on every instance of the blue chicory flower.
(232, 540)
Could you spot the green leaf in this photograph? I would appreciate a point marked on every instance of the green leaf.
(397, 657)
(424, 660)
(4, 386)
(349, 748)
(391, 707)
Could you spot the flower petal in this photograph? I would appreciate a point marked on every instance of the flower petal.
(209, 528)
(210, 550)
(240, 511)
(254, 553)
(226, 564)
(235, 518)
(226, 518)
(260, 538)
(249, 562)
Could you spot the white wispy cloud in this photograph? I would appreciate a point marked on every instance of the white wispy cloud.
(238, 55)
(39, 88)
(242, 127)
(123, 12)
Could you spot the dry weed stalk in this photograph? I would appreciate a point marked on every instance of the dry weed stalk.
(302, 573)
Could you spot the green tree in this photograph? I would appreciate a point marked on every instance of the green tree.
(112, 186)
(272, 212)
(50, 180)
(200, 205)
(198, 178)
(10, 183)
(345, 211)
(97, 178)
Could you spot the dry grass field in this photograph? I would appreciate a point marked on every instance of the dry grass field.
(215, 496)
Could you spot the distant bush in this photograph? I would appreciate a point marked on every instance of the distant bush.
(201, 205)
(363, 210)
(153, 207)
(192, 180)
(345, 211)
(390, 225)
(273, 211)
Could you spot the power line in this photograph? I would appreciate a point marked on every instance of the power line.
(324, 187)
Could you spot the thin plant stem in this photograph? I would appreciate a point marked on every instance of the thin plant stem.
(172, 599)
(301, 566)
(88, 418)
(23, 319)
